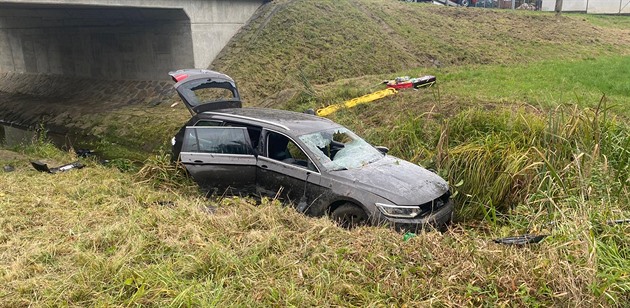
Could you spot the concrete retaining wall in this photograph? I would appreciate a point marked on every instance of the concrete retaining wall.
(32, 99)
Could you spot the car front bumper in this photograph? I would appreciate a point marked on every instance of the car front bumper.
(439, 220)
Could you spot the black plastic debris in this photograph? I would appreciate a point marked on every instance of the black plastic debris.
(618, 221)
(166, 203)
(43, 167)
(8, 168)
(84, 152)
(521, 240)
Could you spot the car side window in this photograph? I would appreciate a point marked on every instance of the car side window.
(208, 123)
(281, 148)
(252, 131)
(217, 140)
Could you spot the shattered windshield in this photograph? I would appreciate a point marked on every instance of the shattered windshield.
(340, 149)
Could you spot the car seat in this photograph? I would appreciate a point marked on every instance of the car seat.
(278, 147)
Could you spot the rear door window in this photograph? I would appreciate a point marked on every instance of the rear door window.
(217, 140)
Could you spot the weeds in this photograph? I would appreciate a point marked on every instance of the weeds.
(159, 172)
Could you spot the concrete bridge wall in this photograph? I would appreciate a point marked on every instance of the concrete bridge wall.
(116, 39)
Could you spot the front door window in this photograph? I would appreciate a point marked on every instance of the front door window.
(283, 149)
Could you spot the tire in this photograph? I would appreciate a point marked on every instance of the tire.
(349, 216)
(464, 2)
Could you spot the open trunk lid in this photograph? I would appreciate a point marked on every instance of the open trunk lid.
(205, 90)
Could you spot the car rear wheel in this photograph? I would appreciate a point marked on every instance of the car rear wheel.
(349, 216)
(464, 2)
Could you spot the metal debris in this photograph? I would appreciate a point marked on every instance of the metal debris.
(43, 167)
(521, 240)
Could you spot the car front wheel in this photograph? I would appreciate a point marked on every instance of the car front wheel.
(349, 216)
(464, 2)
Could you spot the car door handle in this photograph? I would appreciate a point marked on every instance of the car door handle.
(263, 166)
(198, 161)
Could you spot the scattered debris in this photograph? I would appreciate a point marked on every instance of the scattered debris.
(166, 203)
(8, 168)
(408, 236)
(407, 82)
(618, 221)
(521, 240)
(84, 152)
(43, 167)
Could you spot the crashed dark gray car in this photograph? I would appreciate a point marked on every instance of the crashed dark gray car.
(319, 166)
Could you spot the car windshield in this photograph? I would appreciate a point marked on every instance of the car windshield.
(340, 149)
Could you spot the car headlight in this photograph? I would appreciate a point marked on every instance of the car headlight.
(399, 211)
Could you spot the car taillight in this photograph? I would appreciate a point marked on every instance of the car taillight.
(180, 77)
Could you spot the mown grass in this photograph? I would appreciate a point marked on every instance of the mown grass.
(545, 84)
(325, 41)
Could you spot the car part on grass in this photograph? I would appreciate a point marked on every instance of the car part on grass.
(406, 82)
(533, 239)
(84, 152)
(43, 167)
(521, 240)
(322, 112)
(8, 168)
(618, 221)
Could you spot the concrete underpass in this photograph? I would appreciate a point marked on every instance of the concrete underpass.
(94, 41)
(64, 58)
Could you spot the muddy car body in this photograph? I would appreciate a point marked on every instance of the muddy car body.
(319, 166)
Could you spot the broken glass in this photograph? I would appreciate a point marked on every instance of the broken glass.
(340, 149)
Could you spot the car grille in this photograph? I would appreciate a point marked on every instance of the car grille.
(435, 205)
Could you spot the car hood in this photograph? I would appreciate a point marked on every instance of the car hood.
(396, 180)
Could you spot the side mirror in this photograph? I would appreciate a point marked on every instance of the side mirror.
(382, 149)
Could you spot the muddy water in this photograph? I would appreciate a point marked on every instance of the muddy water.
(11, 136)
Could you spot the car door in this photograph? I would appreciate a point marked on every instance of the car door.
(220, 159)
(286, 171)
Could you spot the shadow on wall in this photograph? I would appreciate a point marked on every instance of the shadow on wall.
(121, 43)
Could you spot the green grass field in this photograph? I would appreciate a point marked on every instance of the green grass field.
(516, 123)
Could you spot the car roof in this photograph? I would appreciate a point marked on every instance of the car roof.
(295, 122)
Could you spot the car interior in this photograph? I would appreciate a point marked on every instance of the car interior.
(282, 149)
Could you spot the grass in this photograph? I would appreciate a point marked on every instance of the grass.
(97, 236)
(347, 39)
(545, 84)
(516, 123)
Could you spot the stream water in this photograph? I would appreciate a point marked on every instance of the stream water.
(11, 136)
